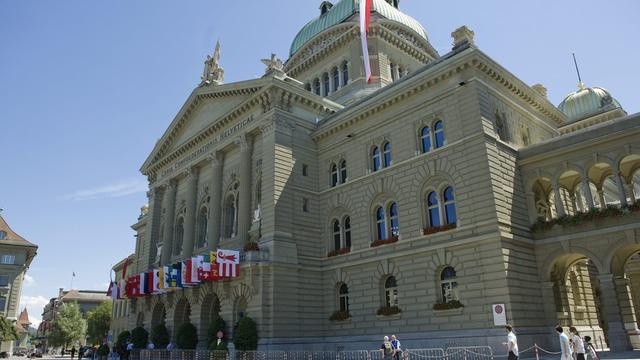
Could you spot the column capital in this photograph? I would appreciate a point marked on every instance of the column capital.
(191, 173)
(216, 158)
(244, 142)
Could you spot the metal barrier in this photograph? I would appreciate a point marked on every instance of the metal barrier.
(182, 355)
(422, 354)
(469, 353)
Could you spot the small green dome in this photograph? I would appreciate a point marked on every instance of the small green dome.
(586, 102)
(344, 9)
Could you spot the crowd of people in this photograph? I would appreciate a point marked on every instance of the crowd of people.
(572, 346)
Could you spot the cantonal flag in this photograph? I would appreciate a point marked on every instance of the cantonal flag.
(365, 19)
(193, 273)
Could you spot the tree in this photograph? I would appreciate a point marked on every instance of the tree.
(98, 322)
(160, 336)
(246, 336)
(187, 336)
(8, 330)
(139, 337)
(68, 326)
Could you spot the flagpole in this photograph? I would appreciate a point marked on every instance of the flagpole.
(73, 274)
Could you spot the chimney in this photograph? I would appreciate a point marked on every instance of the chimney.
(540, 89)
(462, 36)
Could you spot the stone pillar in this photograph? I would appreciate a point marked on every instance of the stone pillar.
(616, 333)
(153, 232)
(558, 201)
(618, 179)
(586, 189)
(244, 206)
(190, 216)
(170, 207)
(627, 309)
(321, 85)
(531, 206)
(551, 315)
(603, 203)
(629, 190)
(396, 72)
(215, 205)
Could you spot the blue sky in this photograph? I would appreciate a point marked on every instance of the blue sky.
(87, 87)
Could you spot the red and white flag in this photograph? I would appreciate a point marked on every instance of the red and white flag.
(365, 19)
(228, 263)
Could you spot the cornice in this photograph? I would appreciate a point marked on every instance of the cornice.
(276, 93)
(429, 76)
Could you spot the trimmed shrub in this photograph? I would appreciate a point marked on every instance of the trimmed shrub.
(216, 325)
(123, 339)
(246, 335)
(139, 337)
(187, 336)
(103, 350)
(160, 336)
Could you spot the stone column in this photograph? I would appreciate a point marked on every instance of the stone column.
(603, 203)
(627, 309)
(215, 205)
(629, 190)
(190, 216)
(551, 315)
(531, 206)
(618, 179)
(396, 72)
(558, 201)
(586, 189)
(618, 339)
(244, 206)
(153, 232)
(170, 207)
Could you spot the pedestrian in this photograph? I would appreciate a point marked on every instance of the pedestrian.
(73, 352)
(578, 344)
(565, 347)
(129, 350)
(387, 349)
(397, 350)
(170, 346)
(512, 344)
(590, 349)
(150, 345)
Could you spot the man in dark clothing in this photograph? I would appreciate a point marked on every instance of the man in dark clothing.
(73, 352)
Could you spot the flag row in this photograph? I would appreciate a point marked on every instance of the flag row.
(215, 266)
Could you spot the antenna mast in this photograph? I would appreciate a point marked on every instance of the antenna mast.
(580, 84)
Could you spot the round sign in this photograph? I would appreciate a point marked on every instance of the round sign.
(219, 334)
(498, 309)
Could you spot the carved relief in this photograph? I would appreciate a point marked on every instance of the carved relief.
(501, 125)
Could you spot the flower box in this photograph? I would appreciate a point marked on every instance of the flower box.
(611, 211)
(390, 240)
(339, 252)
(453, 304)
(437, 229)
(251, 246)
(388, 311)
(340, 316)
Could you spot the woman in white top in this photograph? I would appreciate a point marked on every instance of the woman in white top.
(565, 346)
(578, 344)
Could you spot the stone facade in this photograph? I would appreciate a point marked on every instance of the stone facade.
(386, 205)
(16, 255)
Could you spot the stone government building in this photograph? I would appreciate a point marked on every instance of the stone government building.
(380, 208)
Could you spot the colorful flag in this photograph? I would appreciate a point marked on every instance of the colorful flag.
(195, 262)
(121, 289)
(132, 286)
(365, 19)
(228, 263)
(176, 275)
(166, 277)
(113, 290)
(110, 290)
(161, 281)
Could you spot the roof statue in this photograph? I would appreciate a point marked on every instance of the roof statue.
(213, 73)
(273, 65)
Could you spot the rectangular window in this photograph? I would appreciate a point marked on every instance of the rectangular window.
(305, 170)
(4, 280)
(305, 205)
(8, 259)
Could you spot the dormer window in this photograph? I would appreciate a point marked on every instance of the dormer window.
(324, 7)
(394, 3)
(3, 235)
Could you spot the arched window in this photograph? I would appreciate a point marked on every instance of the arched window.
(391, 292)
(343, 298)
(177, 244)
(425, 137)
(375, 158)
(394, 225)
(449, 206)
(347, 232)
(438, 132)
(345, 73)
(387, 154)
(325, 84)
(337, 236)
(336, 79)
(448, 284)
(316, 86)
(230, 216)
(202, 227)
(433, 209)
(343, 171)
(381, 225)
(334, 175)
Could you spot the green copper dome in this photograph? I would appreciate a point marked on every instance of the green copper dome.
(341, 11)
(587, 101)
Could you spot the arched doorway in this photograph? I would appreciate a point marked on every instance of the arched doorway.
(159, 315)
(182, 314)
(210, 314)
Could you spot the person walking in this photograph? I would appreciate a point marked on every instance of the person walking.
(578, 344)
(397, 350)
(150, 345)
(590, 349)
(565, 346)
(512, 344)
(73, 352)
(387, 349)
